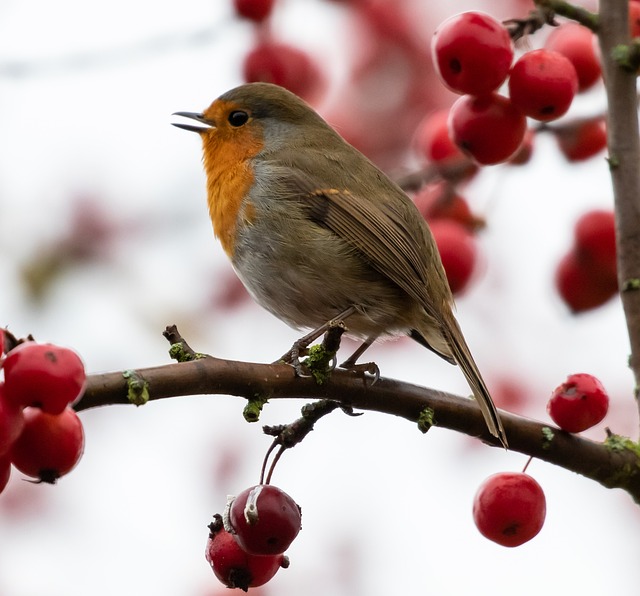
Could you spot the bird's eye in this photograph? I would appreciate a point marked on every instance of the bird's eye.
(238, 118)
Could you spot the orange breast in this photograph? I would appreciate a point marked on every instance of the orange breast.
(227, 155)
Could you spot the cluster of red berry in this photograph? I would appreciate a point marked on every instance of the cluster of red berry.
(453, 226)
(587, 276)
(473, 53)
(40, 434)
(246, 547)
(273, 61)
(510, 507)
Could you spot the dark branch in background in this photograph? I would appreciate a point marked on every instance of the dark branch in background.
(624, 157)
(614, 463)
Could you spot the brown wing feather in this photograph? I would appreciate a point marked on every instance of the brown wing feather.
(405, 256)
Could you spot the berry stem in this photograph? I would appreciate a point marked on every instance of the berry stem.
(527, 464)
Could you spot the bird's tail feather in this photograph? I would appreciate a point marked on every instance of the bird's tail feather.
(462, 355)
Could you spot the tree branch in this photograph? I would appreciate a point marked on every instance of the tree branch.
(624, 157)
(614, 463)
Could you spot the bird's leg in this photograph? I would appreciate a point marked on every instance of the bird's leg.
(367, 367)
(299, 346)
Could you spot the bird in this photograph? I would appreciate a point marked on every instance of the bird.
(316, 232)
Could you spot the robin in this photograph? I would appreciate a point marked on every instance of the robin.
(316, 232)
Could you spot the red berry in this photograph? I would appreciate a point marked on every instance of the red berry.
(11, 422)
(579, 403)
(5, 471)
(282, 65)
(234, 567)
(50, 445)
(255, 10)
(595, 239)
(543, 84)
(509, 508)
(490, 128)
(472, 53)
(582, 140)
(440, 201)
(265, 520)
(43, 375)
(577, 43)
(634, 19)
(434, 143)
(525, 151)
(457, 250)
(581, 286)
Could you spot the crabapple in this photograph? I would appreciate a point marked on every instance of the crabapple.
(255, 10)
(542, 84)
(582, 140)
(11, 422)
(489, 128)
(457, 250)
(440, 201)
(432, 140)
(233, 566)
(581, 285)
(472, 53)
(50, 445)
(43, 375)
(595, 239)
(264, 519)
(579, 403)
(283, 65)
(577, 43)
(509, 508)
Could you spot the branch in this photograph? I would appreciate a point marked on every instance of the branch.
(624, 157)
(614, 463)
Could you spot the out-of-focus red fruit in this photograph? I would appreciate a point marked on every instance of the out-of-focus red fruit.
(254, 10)
(440, 201)
(582, 140)
(458, 252)
(579, 403)
(49, 446)
(234, 567)
(11, 422)
(5, 471)
(581, 286)
(472, 53)
(432, 140)
(509, 508)
(542, 84)
(634, 19)
(490, 128)
(283, 65)
(525, 151)
(595, 239)
(577, 43)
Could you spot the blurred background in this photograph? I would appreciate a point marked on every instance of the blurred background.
(105, 239)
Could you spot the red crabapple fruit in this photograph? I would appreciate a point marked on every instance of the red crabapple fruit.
(43, 375)
(472, 53)
(579, 403)
(543, 84)
(577, 43)
(264, 519)
(234, 567)
(490, 128)
(457, 250)
(509, 508)
(49, 446)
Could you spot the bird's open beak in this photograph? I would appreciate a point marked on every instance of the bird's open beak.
(193, 116)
